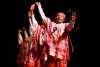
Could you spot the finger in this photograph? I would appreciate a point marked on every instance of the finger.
(32, 6)
(39, 3)
(36, 3)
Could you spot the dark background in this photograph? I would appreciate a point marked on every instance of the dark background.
(18, 19)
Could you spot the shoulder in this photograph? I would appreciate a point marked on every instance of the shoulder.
(48, 19)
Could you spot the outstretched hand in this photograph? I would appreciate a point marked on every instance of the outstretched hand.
(30, 12)
(38, 3)
(32, 7)
(74, 15)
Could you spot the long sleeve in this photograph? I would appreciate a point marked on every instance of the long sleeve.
(69, 27)
(31, 28)
(71, 24)
(33, 25)
(34, 22)
(42, 13)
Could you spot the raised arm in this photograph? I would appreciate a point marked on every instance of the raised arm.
(71, 23)
(73, 18)
(44, 18)
(32, 20)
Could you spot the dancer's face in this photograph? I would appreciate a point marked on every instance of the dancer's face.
(60, 17)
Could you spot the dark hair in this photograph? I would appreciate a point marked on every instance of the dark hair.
(62, 11)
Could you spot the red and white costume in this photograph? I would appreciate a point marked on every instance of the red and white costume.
(57, 39)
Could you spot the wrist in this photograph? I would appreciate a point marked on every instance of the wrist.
(39, 6)
(73, 17)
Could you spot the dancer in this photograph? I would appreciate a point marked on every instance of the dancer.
(57, 39)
